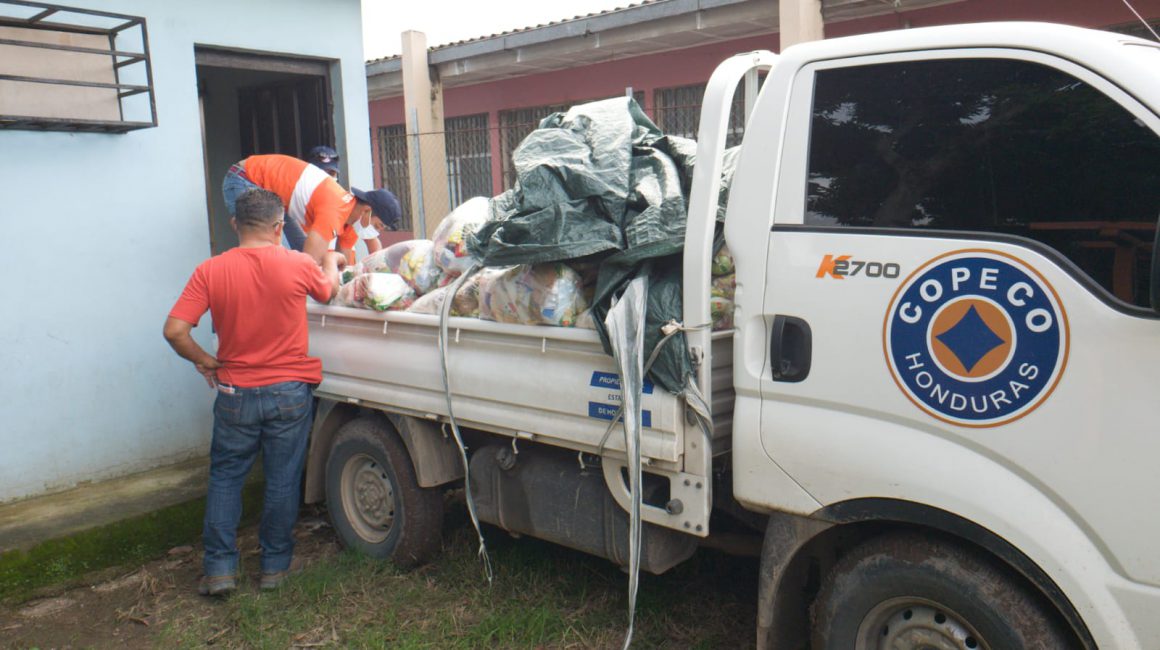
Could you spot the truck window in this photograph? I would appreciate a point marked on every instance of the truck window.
(993, 146)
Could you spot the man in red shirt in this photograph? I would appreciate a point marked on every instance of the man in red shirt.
(256, 294)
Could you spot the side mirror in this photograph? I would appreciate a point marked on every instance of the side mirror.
(1154, 275)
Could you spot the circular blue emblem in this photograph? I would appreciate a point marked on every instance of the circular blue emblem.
(976, 338)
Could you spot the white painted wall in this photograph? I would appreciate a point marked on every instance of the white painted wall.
(101, 233)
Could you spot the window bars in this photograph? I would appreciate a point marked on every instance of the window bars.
(71, 69)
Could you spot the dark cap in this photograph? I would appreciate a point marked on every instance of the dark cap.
(383, 204)
(324, 157)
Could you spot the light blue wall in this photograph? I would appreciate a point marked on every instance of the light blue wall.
(101, 233)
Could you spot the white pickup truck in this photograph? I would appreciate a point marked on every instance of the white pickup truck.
(935, 402)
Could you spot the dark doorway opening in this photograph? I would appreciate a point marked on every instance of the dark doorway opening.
(257, 104)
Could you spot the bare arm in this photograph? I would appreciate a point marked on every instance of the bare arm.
(332, 264)
(373, 245)
(178, 334)
(315, 246)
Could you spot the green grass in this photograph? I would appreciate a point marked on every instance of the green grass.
(62, 562)
(543, 596)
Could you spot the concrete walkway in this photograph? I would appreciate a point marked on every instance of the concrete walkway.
(24, 524)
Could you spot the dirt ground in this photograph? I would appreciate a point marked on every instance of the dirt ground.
(128, 610)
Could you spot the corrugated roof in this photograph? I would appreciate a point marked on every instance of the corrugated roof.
(525, 29)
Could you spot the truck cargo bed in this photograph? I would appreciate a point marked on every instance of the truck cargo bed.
(549, 384)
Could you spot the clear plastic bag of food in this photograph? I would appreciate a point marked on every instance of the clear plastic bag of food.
(724, 286)
(543, 294)
(413, 260)
(585, 321)
(465, 303)
(722, 261)
(347, 295)
(721, 312)
(721, 293)
(383, 291)
(451, 236)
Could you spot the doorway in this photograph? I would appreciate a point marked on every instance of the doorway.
(257, 104)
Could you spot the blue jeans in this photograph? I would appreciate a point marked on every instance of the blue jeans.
(234, 186)
(275, 419)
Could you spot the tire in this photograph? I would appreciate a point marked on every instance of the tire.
(910, 591)
(375, 502)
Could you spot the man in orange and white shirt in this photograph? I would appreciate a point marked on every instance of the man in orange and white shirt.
(314, 202)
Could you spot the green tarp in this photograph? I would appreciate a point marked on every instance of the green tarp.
(602, 183)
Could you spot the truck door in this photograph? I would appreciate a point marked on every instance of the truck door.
(958, 282)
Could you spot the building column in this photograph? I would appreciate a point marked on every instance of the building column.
(800, 21)
(423, 105)
(495, 135)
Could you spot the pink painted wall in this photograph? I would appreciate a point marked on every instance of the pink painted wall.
(694, 65)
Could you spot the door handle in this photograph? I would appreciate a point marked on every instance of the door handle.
(790, 348)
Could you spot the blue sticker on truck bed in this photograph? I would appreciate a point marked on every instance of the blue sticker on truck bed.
(976, 338)
(608, 412)
(611, 381)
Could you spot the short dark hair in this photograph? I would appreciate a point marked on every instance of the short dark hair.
(258, 208)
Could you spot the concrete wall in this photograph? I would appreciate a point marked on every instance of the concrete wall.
(694, 65)
(102, 233)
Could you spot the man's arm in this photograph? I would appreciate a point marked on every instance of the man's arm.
(315, 246)
(332, 264)
(177, 333)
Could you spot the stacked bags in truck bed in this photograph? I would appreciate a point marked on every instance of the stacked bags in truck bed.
(600, 198)
(416, 275)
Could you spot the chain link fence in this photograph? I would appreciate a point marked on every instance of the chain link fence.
(433, 173)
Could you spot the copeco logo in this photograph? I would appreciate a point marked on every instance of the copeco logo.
(976, 338)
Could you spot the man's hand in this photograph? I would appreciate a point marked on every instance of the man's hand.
(334, 258)
(208, 369)
(177, 332)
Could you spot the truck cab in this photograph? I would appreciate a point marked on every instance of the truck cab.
(949, 326)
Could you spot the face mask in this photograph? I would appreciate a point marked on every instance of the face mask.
(365, 232)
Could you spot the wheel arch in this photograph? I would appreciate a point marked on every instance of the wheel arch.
(329, 417)
(433, 456)
(814, 543)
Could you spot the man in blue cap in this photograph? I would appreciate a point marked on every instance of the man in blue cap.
(326, 159)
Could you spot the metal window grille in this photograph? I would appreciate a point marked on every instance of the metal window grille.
(69, 69)
(395, 169)
(468, 147)
(678, 112)
(514, 126)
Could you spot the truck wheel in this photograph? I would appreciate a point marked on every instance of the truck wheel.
(375, 502)
(911, 591)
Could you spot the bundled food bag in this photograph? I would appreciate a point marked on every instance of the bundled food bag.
(376, 262)
(451, 236)
(543, 294)
(378, 291)
(431, 303)
(346, 295)
(413, 260)
(466, 300)
(722, 261)
(585, 321)
(721, 301)
(465, 303)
